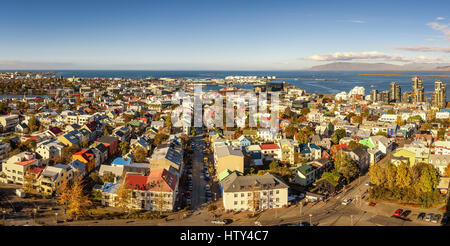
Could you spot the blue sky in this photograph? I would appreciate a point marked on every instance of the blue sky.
(242, 35)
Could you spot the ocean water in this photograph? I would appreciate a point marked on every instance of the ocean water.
(346, 79)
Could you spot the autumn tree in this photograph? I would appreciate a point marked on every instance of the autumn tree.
(140, 154)
(108, 177)
(123, 198)
(63, 194)
(447, 171)
(77, 199)
(376, 175)
(29, 181)
(403, 176)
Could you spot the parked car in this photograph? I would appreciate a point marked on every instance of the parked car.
(398, 212)
(372, 204)
(218, 222)
(436, 218)
(347, 201)
(444, 219)
(428, 217)
(405, 214)
(421, 216)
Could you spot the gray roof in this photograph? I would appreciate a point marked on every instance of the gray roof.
(235, 183)
(226, 150)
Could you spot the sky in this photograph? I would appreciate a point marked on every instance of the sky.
(220, 35)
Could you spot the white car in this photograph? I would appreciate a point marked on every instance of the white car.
(345, 202)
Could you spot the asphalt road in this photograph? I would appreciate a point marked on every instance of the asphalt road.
(198, 183)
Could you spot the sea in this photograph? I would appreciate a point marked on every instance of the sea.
(346, 80)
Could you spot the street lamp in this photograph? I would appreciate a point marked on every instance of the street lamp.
(351, 220)
(56, 217)
(4, 217)
(310, 219)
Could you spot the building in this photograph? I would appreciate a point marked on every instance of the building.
(9, 122)
(16, 166)
(167, 155)
(395, 93)
(49, 149)
(306, 174)
(225, 157)
(440, 94)
(53, 176)
(418, 89)
(256, 191)
(5, 148)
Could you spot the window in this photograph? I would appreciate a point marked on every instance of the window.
(242, 194)
(235, 202)
(242, 202)
(277, 200)
(249, 194)
(277, 192)
(235, 195)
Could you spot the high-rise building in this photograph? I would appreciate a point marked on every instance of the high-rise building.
(440, 94)
(384, 96)
(374, 95)
(395, 93)
(418, 90)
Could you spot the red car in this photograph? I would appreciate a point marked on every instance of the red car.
(398, 212)
(372, 204)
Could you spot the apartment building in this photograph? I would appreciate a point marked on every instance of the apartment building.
(257, 191)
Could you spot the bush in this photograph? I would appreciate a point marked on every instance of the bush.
(212, 207)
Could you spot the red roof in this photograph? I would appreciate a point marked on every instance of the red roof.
(269, 146)
(162, 180)
(24, 163)
(137, 182)
(36, 170)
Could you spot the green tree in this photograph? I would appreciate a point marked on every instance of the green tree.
(346, 166)
(381, 133)
(95, 178)
(124, 147)
(338, 135)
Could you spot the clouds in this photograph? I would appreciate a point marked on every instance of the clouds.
(347, 56)
(424, 48)
(370, 55)
(440, 18)
(445, 29)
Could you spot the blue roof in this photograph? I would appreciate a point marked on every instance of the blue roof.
(256, 155)
(445, 110)
(174, 156)
(77, 164)
(121, 161)
(110, 187)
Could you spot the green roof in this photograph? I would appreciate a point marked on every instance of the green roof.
(305, 169)
(333, 178)
(224, 174)
(135, 123)
(366, 142)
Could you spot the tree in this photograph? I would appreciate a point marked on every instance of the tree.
(338, 135)
(76, 202)
(346, 166)
(123, 196)
(193, 131)
(109, 177)
(403, 178)
(159, 138)
(305, 111)
(441, 133)
(381, 133)
(124, 147)
(105, 132)
(273, 165)
(41, 128)
(365, 113)
(429, 178)
(63, 194)
(95, 178)
(254, 200)
(447, 170)
(32, 124)
(357, 119)
(400, 121)
(390, 111)
(29, 180)
(426, 126)
(376, 174)
(140, 154)
(391, 174)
